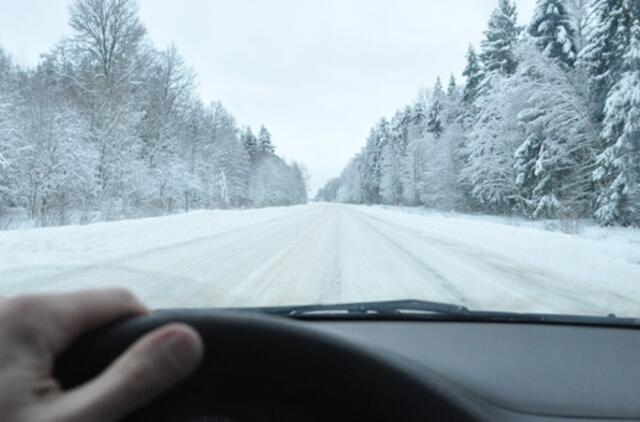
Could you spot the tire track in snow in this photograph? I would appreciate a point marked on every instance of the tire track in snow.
(430, 275)
(273, 280)
(532, 283)
(149, 268)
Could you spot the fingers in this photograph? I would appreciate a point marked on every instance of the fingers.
(60, 318)
(76, 313)
(149, 367)
(40, 326)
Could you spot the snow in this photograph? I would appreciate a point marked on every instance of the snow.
(323, 253)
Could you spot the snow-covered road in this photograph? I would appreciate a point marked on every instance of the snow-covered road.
(330, 253)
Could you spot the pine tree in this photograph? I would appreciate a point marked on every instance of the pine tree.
(553, 27)
(435, 117)
(373, 162)
(452, 86)
(265, 147)
(497, 49)
(473, 73)
(452, 107)
(524, 166)
(606, 41)
(554, 163)
(618, 171)
(250, 143)
(388, 191)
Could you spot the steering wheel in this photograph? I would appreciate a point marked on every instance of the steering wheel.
(260, 367)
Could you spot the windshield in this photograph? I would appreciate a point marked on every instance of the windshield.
(484, 155)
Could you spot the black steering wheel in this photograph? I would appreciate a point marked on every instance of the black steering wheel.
(263, 368)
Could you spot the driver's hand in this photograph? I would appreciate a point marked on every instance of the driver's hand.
(36, 328)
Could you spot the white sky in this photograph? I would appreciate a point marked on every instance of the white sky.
(317, 73)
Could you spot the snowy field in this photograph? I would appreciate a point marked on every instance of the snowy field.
(333, 253)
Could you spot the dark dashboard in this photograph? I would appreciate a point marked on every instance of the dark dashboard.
(531, 371)
(265, 368)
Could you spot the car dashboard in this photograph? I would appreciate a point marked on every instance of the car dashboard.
(261, 367)
(523, 371)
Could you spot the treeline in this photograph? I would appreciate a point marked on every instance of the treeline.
(106, 126)
(547, 123)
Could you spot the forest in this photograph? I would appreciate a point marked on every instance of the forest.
(106, 126)
(546, 124)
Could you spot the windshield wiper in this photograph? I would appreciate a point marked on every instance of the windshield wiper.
(383, 308)
(426, 310)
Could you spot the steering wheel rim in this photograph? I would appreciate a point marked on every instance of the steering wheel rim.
(256, 358)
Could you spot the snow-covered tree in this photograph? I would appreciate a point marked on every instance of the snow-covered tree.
(607, 38)
(329, 192)
(11, 147)
(373, 163)
(112, 60)
(265, 146)
(392, 157)
(277, 183)
(497, 48)
(452, 108)
(435, 118)
(473, 74)
(230, 164)
(165, 103)
(250, 143)
(554, 163)
(618, 171)
(492, 144)
(579, 10)
(298, 182)
(441, 188)
(521, 136)
(554, 29)
(106, 126)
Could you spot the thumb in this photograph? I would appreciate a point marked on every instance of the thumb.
(149, 367)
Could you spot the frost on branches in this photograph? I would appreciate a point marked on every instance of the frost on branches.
(106, 127)
(547, 124)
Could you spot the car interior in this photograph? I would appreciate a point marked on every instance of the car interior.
(262, 366)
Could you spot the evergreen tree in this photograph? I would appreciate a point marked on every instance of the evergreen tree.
(473, 73)
(497, 49)
(526, 158)
(250, 143)
(435, 118)
(553, 164)
(393, 156)
(553, 27)
(373, 162)
(452, 86)
(452, 106)
(618, 171)
(607, 39)
(265, 147)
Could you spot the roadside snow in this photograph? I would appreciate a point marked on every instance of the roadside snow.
(617, 243)
(86, 244)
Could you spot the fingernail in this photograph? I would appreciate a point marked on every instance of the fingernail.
(183, 350)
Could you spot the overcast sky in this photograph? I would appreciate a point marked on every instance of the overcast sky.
(317, 73)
